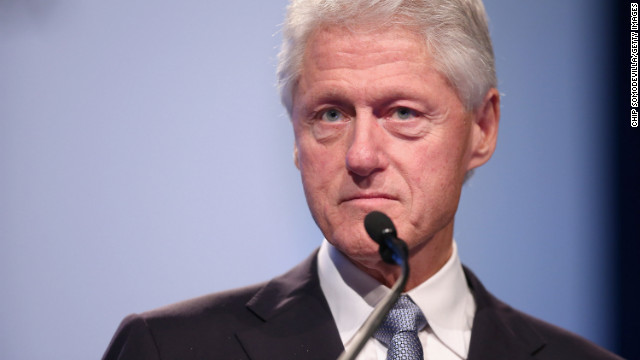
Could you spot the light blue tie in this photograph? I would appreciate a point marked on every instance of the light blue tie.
(399, 330)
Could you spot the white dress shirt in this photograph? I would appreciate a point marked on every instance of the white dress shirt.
(445, 300)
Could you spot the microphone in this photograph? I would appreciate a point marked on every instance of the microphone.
(380, 228)
(393, 251)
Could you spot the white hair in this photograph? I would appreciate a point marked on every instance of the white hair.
(455, 31)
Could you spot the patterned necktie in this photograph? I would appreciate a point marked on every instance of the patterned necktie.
(399, 330)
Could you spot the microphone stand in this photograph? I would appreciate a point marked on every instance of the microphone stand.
(399, 253)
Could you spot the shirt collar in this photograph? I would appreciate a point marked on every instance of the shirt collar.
(445, 298)
(448, 305)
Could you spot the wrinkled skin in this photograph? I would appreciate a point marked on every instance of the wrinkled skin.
(378, 128)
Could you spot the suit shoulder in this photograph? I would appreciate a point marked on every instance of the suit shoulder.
(234, 302)
(218, 302)
(496, 322)
(224, 309)
(559, 343)
(567, 343)
(213, 324)
(195, 328)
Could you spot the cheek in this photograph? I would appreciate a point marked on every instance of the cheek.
(317, 170)
(312, 162)
(433, 176)
(318, 161)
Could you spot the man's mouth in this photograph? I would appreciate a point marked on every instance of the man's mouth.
(373, 196)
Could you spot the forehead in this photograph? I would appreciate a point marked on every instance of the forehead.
(366, 64)
(361, 46)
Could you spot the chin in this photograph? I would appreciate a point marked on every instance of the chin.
(358, 247)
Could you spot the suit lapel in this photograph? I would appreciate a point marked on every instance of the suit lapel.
(296, 320)
(499, 333)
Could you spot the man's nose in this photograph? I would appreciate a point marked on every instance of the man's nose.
(365, 154)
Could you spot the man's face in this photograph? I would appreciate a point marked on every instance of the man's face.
(378, 128)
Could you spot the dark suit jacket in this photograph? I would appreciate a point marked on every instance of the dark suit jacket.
(289, 318)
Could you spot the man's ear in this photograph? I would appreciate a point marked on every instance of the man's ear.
(484, 131)
(295, 155)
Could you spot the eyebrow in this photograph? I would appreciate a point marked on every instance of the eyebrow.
(332, 96)
(385, 96)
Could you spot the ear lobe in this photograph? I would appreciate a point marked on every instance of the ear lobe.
(295, 156)
(485, 129)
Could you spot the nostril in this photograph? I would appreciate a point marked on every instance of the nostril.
(361, 181)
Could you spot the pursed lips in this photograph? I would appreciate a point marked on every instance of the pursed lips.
(368, 196)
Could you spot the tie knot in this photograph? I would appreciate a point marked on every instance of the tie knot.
(405, 316)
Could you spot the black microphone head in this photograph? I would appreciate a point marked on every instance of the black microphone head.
(379, 226)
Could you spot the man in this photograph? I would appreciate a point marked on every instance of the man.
(393, 104)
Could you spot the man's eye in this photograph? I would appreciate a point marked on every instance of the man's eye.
(332, 115)
(404, 113)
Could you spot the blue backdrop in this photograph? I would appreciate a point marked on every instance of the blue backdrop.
(145, 159)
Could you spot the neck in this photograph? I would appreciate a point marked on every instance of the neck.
(425, 260)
